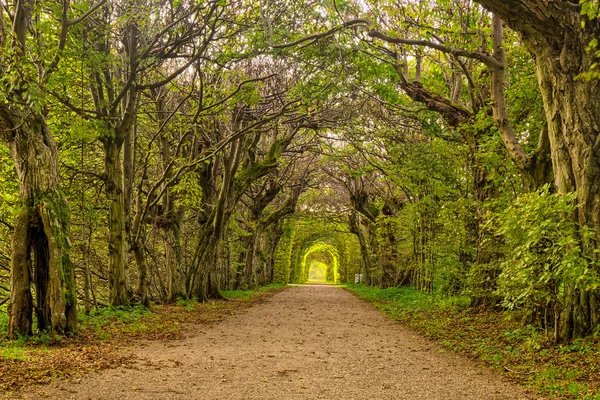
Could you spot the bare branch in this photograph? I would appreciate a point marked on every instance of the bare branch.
(86, 14)
(317, 36)
(487, 59)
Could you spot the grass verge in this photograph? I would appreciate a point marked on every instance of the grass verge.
(497, 339)
(42, 359)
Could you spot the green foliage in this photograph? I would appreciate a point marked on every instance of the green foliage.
(283, 255)
(14, 352)
(3, 321)
(546, 257)
(590, 8)
(108, 315)
(237, 294)
(272, 286)
(188, 190)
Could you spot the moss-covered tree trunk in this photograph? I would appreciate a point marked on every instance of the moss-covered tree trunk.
(274, 237)
(40, 243)
(176, 273)
(203, 281)
(117, 240)
(143, 279)
(250, 268)
(355, 228)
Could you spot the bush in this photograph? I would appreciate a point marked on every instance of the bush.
(546, 258)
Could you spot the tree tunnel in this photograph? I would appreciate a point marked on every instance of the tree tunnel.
(316, 256)
(308, 246)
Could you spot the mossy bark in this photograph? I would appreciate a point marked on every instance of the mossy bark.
(21, 302)
(117, 241)
(40, 241)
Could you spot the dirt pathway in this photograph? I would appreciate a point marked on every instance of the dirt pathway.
(307, 342)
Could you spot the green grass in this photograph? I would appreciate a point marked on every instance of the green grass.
(14, 352)
(498, 339)
(238, 294)
(249, 294)
(3, 322)
(272, 286)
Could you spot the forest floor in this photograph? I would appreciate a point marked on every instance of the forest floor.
(307, 342)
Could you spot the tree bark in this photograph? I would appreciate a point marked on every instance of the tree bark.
(41, 230)
(355, 228)
(143, 279)
(117, 241)
(21, 301)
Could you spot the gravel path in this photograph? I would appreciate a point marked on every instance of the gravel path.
(307, 342)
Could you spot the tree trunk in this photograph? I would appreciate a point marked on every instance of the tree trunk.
(203, 283)
(176, 274)
(553, 33)
(356, 229)
(241, 281)
(250, 270)
(573, 114)
(41, 231)
(21, 301)
(117, 277)
(143, 280)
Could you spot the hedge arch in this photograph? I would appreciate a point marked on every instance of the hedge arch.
(332, 274)
(305, 239)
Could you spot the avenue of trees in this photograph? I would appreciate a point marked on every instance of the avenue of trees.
(153, 150)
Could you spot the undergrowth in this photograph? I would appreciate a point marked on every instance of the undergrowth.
(497, 339)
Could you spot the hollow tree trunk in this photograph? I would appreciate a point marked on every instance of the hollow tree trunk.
(41, 231)
(21, 301)
(117, 277)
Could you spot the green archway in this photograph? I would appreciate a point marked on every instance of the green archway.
(305, 241)
(325, 252)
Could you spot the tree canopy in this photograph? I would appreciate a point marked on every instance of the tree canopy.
(155, 150)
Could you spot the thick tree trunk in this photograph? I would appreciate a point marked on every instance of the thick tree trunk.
(203, 281)
(40, 242)
(21, 301)
(552, 31)
(117, 241)
(356, 229)
(573, 114)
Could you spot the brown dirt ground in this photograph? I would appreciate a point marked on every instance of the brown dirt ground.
(307, 342)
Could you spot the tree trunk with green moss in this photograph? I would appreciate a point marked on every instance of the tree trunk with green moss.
(117, 241)
(40, 248)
